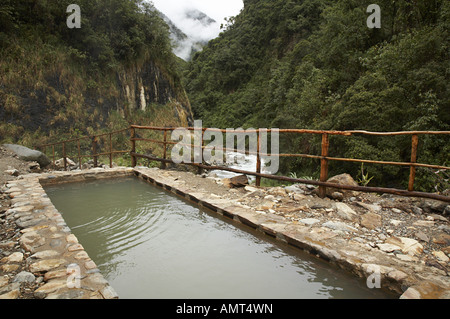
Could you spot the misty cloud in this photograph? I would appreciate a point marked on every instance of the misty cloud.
(186, 15)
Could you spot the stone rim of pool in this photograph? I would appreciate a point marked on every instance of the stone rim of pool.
(47, 222)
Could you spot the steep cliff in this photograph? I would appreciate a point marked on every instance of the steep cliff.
(147, 85)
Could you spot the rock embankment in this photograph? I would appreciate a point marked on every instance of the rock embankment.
(39, 256)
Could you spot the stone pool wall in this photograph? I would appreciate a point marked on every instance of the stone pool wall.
(49, 253)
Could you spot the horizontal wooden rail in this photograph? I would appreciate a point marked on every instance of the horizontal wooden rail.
(387, 162)
(296, 155)
(94, 154)
(82, 138)
(113, 152)
(401, 133)
(301, 131)
(244, 131)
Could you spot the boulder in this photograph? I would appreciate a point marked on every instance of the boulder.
(296, 189)
(339, 226)
(337, 196)
(370, 207)
(12, 172)
(266, 205)
(277, 191)
(441, 239)
(422, 236)
(447, 211)
(34, 167)
(342, 179)
(388, 248)
(26, 154)
(236, 181)
(432, 205)
(251, 189)
(440, 256)
(24, 276)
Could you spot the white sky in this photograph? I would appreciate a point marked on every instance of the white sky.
(216, 9)
(196, 32)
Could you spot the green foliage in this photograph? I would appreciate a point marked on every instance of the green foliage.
(364, 179)
(435, 180)
(112, 32)
(315, 64)
(62, 82)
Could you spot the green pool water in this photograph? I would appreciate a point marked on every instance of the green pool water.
(149, 243)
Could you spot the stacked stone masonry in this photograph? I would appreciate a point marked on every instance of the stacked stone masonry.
(53, 256)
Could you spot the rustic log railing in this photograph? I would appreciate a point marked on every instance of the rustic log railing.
(94, 139)
(324, 157)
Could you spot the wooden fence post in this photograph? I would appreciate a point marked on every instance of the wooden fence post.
(64, 155)
(79, 153)
(412, 170)
(94, 150)
(110, 151)
(133, 147)
(258, 159)
(324, 164)
(53, 156)
(163, 164)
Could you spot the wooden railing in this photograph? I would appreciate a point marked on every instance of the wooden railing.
(93, 148)
(323, 157)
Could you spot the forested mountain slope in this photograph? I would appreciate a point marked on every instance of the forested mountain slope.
(316, 64)
(57, 81)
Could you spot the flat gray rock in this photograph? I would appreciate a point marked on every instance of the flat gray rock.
(26, 154)
(339, 226)
(24, 276)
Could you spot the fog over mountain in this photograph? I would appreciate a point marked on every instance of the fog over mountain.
(194, 22)
(191, 31)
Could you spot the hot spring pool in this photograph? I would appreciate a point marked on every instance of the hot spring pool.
(149, 243)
